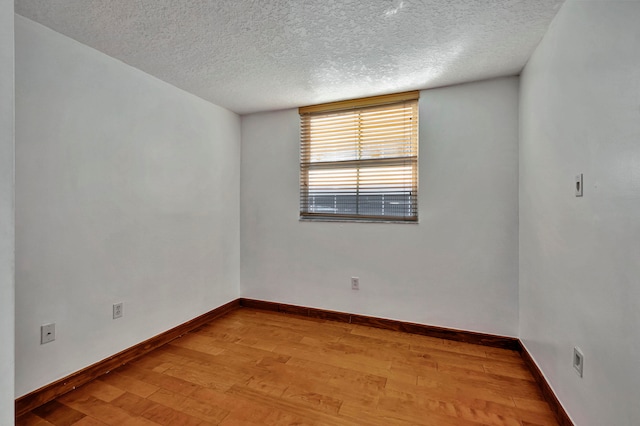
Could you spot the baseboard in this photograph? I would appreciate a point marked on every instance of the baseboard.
(547, 392)
(53, 390)
(492, 340)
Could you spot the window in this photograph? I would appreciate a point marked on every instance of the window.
(359, 159)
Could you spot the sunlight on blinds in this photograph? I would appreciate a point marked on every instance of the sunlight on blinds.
(362, 161)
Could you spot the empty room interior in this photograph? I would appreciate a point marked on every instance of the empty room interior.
(157, 178)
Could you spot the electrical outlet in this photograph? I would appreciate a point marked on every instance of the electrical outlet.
(578, 360)
(355, 283)
(47, 333)
(117, 310)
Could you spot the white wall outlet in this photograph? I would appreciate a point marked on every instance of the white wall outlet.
(578, 360)
(117, 310)
(47, 333)
(579, 185)
(355, 283)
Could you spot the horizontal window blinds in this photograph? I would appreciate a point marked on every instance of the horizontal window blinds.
(359, 159)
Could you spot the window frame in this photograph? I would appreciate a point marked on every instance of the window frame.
(402, 162)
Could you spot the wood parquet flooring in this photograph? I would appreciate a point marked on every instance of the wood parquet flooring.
(255, 367)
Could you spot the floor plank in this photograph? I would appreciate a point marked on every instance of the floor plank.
(255, 367)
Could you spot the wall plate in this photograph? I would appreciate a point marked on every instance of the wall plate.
(117, 310)
(47, 333)
(579, 185)
(578, 360)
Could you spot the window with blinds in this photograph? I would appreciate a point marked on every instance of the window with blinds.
(359, 159)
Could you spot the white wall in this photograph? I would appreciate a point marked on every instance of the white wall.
(127, 190)
(456, 268)
(6, 213)
(579, 257)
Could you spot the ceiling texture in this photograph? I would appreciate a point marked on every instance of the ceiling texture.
(257, 55)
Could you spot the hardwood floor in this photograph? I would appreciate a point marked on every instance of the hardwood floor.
(254, 367)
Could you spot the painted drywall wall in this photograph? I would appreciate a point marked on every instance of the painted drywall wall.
(127, 190)
(579, 269)
(456, 268)
(6, 213)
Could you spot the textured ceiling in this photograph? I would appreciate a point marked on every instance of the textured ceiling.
(255, 55)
